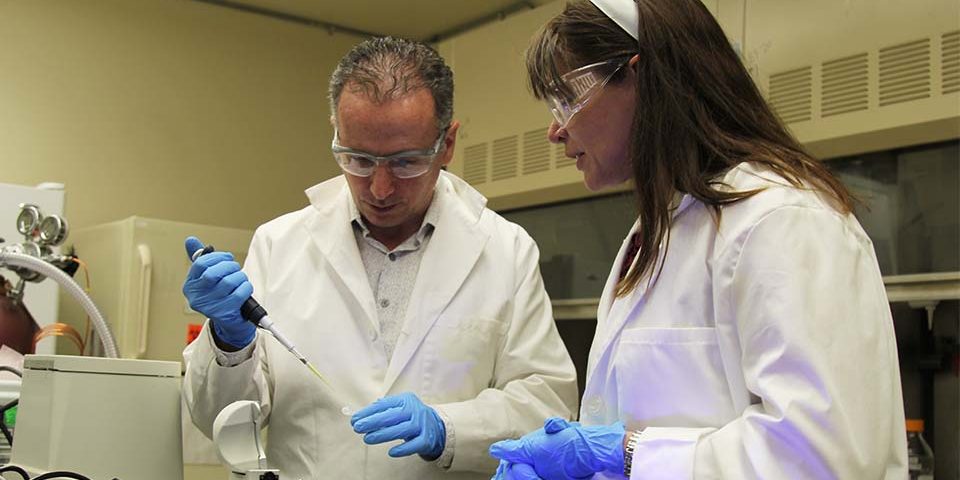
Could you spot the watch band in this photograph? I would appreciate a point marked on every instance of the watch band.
(632, 442)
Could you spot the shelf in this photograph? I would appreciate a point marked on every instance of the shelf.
(921, 287)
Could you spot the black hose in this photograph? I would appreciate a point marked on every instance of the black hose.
(52, 475)
(15, 469)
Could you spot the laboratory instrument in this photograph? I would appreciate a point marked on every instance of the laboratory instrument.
(236, 433)
(99, 417)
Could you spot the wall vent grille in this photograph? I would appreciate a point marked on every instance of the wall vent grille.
(905, 72)
(950, 65)
(560, 157)
(475, 163)
(536, 151)
(504, 158)
(791, 94)
(845, 85)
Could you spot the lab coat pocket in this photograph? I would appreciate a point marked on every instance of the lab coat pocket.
(672, 377)
(466, 352)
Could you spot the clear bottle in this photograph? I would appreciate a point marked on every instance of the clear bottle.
(919, 454)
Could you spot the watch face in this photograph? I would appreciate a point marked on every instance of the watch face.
(53, 230)
(28, 219)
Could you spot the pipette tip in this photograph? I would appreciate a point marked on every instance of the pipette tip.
(315, 372)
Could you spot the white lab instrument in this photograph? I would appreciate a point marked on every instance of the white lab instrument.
(236, 433)
(100, 417)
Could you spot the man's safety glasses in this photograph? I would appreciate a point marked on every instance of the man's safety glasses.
(580, 86)
(409, 164)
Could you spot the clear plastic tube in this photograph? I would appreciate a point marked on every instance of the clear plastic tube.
(50, 271)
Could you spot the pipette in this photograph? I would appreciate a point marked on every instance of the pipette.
(254, 313)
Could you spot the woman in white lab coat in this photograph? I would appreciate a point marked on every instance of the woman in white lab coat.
(744, 331)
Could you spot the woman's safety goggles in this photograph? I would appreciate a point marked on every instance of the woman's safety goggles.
(408, 164)
(579, 86)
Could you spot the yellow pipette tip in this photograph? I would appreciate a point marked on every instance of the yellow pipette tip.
(346, 410)
(317, 373)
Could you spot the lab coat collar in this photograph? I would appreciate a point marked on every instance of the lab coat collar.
(679, 204)
(606, 333)
(332, 233)
(454, 249)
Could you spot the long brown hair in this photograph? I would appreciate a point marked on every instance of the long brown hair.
(698, 112)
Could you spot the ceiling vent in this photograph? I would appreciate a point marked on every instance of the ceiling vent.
(536, 151)
(791, 94)
(905, 72)
(845, 85)
(504, 158)
(475, 163)
(950, 64)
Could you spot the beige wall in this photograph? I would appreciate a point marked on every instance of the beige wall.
(170, 109)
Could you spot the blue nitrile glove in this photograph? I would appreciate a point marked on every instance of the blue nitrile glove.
(515, 471)
(564, 450)
(402, 417)
(217, 288)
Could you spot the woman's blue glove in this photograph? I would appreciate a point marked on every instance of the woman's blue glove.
(217, 288)
(564, 450)
(402, 417)
(515, 471)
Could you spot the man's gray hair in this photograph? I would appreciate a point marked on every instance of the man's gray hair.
(385, 68)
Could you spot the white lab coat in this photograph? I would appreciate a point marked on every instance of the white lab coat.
(765, 349)
(478, 342)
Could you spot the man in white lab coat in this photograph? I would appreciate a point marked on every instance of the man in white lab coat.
(399, 285)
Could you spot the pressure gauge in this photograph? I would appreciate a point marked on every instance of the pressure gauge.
(53, 230)
(33, 250)
(29, 219)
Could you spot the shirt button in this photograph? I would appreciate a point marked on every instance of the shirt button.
(392, 257)
(384, 303)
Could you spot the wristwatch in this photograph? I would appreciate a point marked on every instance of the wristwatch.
(628, 452)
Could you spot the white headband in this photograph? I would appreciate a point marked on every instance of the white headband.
(623, 12)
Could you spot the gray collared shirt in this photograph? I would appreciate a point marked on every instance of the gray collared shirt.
(392, 273)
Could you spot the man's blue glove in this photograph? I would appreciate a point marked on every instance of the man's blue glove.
(217, 288)
(564, 450)
(402, 417)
